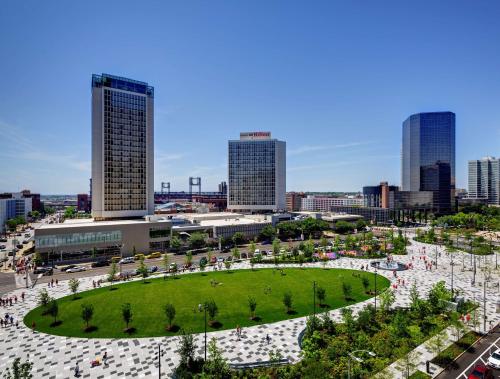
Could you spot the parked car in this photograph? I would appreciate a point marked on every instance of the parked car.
(27, 235)
(3, 239)
(481, 372)
(173, 267)
(3, 247)
(76, 269)
(100, 263)
(153, 255)
(25, 242)
(19, 246)
(229, 259)
(11, 253)
(138, 257)
(213, 259)
(126, 260)
(494, 359)
(152, 269)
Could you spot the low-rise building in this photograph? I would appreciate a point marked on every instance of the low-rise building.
(13, 205)
(325, 203)
(294, 201)
(86, 239)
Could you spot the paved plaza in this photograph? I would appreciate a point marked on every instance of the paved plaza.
(56, 357)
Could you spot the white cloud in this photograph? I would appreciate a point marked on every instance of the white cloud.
(308, 148)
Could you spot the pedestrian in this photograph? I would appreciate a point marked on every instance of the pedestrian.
(77, 370)
(33, 326)
(1, 323)
(17, 324)
(57, 282)
(268, 339)
(105, 358)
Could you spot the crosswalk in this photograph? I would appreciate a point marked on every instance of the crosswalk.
(21, 281)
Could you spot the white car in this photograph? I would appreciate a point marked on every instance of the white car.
(76, 269)
(494, 359)
(126, 260)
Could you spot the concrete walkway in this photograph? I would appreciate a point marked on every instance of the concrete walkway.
(55, 357)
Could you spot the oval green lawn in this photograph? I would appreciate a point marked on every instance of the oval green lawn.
(187, 291)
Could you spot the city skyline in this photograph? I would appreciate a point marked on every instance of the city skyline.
(338, 101)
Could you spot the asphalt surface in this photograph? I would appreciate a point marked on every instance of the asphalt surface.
(477, 354)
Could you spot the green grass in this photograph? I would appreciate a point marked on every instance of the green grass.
(187, 291)
(419, 375)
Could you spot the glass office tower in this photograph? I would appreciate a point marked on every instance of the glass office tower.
(257, 173)
(122, 148)
(428, 157)
(484, 179)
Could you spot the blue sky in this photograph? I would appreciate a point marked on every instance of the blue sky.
(333, 79)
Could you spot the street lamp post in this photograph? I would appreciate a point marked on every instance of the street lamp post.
(375, 289)
(205, 310)
(452, 264)
(160, 354)
(352, 355)
(314, 302)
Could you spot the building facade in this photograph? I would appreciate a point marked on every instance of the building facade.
(84, 239)
(257, 173)
(484, 180)
(13, 205)
(294, 201)
(381, 196)
(428, 157)
(122, 148)
(82, 202)
(313, 203)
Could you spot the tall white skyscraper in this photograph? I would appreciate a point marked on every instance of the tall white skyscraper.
(257, 173)
(122, 148)
(484, 179)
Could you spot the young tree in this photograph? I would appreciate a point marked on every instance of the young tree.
(166, 262)
(252, 305)
(252, 248)
(347, 290)
(53, 309)
(19, 370)
(437, 343)
(87, 314)
(276, 246)
(414, 297)
(142, 270)
(288, 301)
(187, 349)
(366, 283)
(268, 233)
(127, 315)
(212, 310)
(169, 310)
(197, 240)
(228, 265)
(323, 242)
(37, 260)
(175, 243)
(409, 361)
(252, 262)
(238, 238)
(387, 299)
(203, 264)
(300, 259)
(73, 286)
(210, 254)
(216, 365)
(235, 253)
(321, 293)
(43, 297)
(112, 273)
(188, 259)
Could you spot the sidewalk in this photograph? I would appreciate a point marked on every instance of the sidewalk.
(423, 354)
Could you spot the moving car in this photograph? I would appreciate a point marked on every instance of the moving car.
(76, 269)
(100, 263)
(154, 255)
(138, 257)
(64, 268)
(152, 269)
(126, 260)
(45, 271)
(494, 359)
(481, 372)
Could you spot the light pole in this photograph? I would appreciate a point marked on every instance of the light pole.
(314, 303)
(375, 289)
(352, 355)
(160, 354)
(436, 253)
(452, 263)
(204, 308)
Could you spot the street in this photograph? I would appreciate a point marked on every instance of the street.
(477, 354)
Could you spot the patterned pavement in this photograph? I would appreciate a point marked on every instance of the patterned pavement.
(56, 357)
